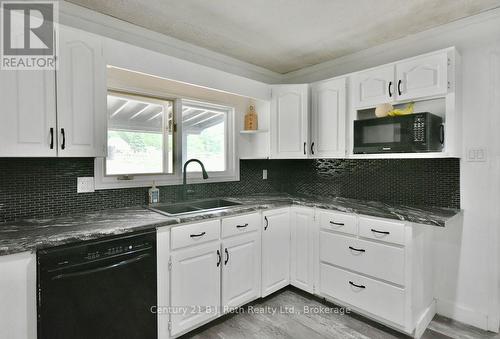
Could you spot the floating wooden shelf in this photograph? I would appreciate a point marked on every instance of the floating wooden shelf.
(254, 132)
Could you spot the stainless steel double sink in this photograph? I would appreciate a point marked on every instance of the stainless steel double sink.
(189, 207)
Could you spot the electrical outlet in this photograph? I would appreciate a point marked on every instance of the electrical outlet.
(477, 154)
(264, 174)
(85, 185)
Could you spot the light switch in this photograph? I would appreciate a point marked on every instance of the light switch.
(264, 174)
(477, 154)
(85, 185)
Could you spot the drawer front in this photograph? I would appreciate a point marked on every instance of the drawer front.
(380, 299)
(194, 234)
(337, 221)
(240, 224)
(383, 230)
(374, 259)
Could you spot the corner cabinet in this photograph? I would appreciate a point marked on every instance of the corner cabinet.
(289, 121)
(328, 119)
(301, 248)
(81, 94)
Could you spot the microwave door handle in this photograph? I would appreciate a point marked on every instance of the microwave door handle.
(441, 134)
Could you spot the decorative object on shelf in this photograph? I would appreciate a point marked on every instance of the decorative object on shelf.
(251, 121)
(383, 109)
(405, 111)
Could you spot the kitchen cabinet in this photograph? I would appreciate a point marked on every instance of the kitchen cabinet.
(195, 286)
(18, 310)
(289, 121)
(275, 250)
(81, 94)
(240, 270)
(374, 86)
(301, 248)
(422, 77)
(162, 263)
(328, 119)
(28, 114)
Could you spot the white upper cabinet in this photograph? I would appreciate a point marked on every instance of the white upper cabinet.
(289, 121)
(81, 94)
(422, 77)
(374, 86)
(328, 119)
(28, 114)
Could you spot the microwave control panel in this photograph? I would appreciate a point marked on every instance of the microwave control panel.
(419, 128)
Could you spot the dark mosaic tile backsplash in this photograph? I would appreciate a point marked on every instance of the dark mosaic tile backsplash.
(47, 187)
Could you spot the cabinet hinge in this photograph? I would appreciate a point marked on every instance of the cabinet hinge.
(449, 84)
(449, 62)
(170, 326)
(170, 264)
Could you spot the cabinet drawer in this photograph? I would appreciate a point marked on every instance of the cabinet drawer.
(382, 229)
(337, 221)
(194, 234)
(380, 299)
(377, 260)
(240, 224)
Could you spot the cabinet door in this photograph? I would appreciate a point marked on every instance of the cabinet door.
(374, 86)
(289, 115)
(81, 95)
(162, 263)
(275, 250)
(18, 317)
(28, 114)
(301, 252)
(422, 77)
(195, 286)
(328, 119)
(241, 270)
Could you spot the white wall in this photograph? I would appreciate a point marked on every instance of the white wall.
(467, 256)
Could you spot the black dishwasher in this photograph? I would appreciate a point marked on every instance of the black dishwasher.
(99, 289)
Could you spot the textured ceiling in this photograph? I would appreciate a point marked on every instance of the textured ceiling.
(286, 35)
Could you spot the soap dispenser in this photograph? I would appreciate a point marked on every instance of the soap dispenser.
(154, 194)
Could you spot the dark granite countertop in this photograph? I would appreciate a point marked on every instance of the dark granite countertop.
(33, 234)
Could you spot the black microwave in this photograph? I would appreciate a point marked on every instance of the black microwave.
(412, 133)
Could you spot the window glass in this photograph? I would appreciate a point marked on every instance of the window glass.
(204, 129)
(137, 143)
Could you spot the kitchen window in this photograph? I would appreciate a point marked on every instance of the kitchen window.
(146, 144)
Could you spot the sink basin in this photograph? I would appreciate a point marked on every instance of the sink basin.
(192, 207)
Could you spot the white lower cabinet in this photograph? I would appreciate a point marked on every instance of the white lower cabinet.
(195, 286)
(275, 250)
(241, 270)
(18, 317)
(301, 249)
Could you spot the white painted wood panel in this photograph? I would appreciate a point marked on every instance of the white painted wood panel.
(337, 221)
(328, 119)
(81, 95)
(195, 234)
(374, 86)
(382, 230)
(240, 224)
(195, 286)
(275, 250)
(301, 250)
(18, 309)
(162, 264)
(241, 270)
(289, 121)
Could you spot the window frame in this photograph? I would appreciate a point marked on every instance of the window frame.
(232, 172)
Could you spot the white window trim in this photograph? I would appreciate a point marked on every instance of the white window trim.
(232, 173)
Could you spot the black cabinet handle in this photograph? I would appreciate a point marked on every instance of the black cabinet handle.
(241, 226)
(267, 223)
(52, 138)
(312, 148)
(355, 285)
(198, 235)
(381, 232)
(218, 258)
(227, 256)
(305, 147)
(356, 249)
(390, 91)
(399, 87)
(441, 134)
(63, 134)
(337, 223)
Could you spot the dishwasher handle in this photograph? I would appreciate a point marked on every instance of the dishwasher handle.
(101, 269)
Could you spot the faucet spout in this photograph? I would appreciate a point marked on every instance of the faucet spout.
(184, 173)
